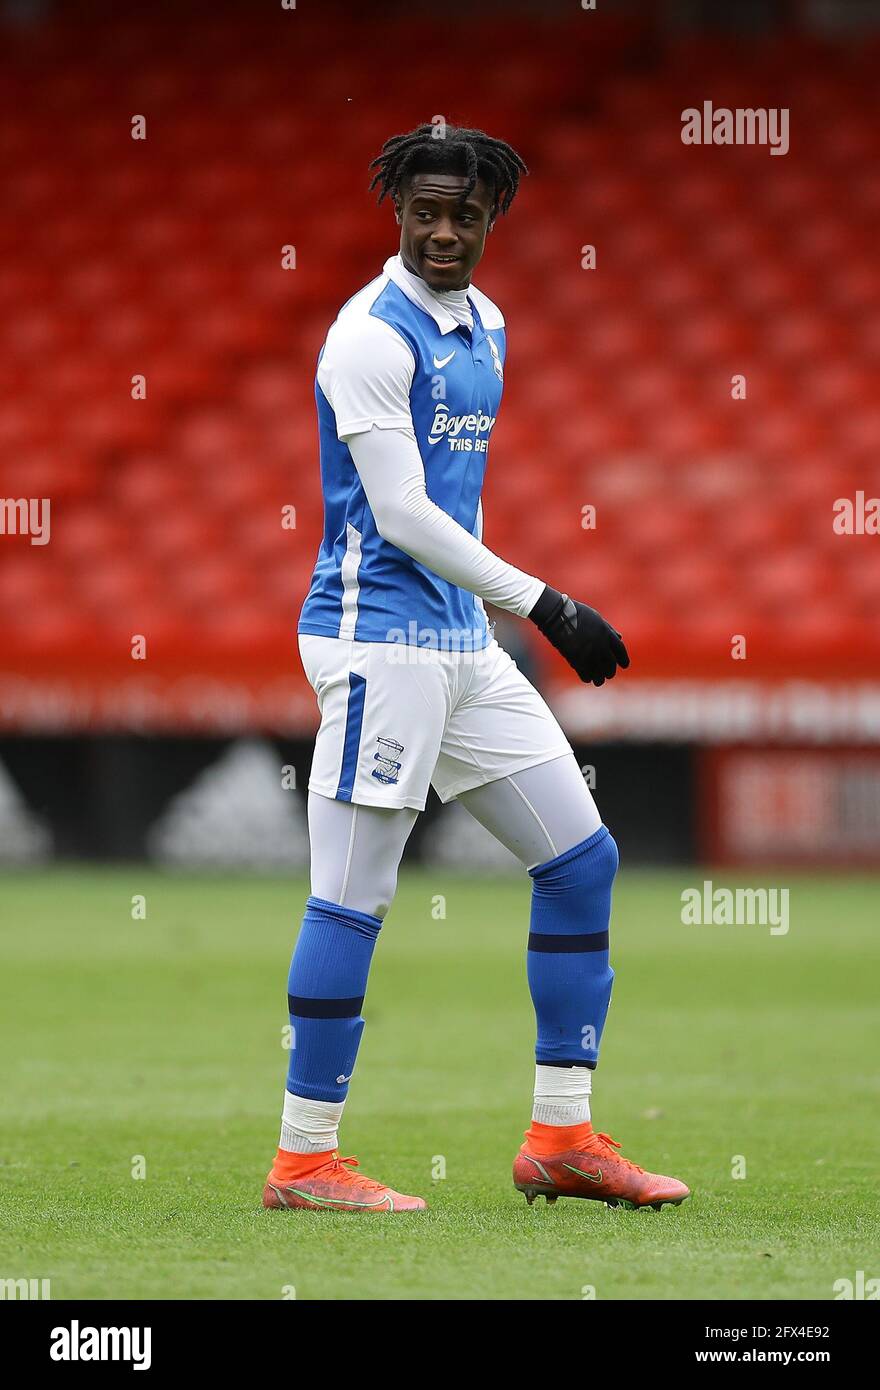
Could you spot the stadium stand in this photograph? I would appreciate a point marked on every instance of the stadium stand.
(164, 257)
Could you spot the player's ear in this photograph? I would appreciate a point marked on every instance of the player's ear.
(398, 211)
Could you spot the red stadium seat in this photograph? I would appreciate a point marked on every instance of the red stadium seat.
(165, 259)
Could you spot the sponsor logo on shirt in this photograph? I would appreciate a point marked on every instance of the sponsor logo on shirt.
(457, 428)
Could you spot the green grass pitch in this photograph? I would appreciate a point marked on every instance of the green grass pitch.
(162, 1038)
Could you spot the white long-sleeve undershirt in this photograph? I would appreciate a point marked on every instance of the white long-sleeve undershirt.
(393, 476)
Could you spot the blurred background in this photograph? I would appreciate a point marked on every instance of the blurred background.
(705, 379)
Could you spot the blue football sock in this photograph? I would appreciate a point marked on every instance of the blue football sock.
(325, 993)
(569, 974)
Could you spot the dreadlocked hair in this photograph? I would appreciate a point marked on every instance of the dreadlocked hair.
(457, 151)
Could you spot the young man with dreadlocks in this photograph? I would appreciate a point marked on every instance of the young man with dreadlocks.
(413, 689)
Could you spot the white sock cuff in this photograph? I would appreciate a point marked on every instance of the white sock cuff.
(562, 1095)
(309, 1126)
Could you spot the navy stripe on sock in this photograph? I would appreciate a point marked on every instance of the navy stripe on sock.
(572, 943)
(590, 1066)
(323, 1008)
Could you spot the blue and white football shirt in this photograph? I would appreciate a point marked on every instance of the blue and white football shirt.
(396, 357)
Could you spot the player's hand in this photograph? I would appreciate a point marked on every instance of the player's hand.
(592, 647)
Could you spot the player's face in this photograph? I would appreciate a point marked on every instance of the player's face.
(442, 233)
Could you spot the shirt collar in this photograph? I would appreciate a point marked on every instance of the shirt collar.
(396, 271)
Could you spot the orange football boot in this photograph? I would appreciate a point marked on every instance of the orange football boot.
(332, 1186)
(593, 1170)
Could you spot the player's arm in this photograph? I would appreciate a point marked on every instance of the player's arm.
(367, 377)
(366, 373)
(393, 476)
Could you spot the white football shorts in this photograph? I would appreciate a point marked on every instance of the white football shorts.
(396, 720)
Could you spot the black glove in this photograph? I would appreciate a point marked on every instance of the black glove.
(591, 646)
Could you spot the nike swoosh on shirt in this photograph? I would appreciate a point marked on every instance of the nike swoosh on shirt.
(444, 360)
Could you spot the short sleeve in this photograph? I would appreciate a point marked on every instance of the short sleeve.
(366, 373)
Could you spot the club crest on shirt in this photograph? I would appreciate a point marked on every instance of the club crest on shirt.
(386, 756)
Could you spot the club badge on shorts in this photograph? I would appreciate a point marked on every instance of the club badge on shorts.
(386, 756)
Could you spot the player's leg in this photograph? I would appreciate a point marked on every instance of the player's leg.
(546, 816)
(374, 751)
(538, 812)
(356, 851)
(543, 811)
(507, 760)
